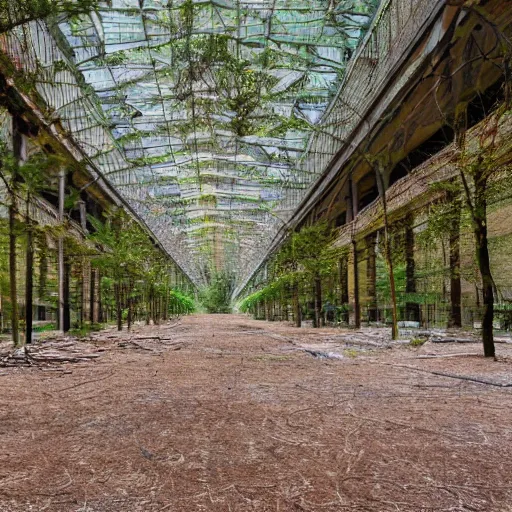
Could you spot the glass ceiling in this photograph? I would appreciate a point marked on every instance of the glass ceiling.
(211, 104)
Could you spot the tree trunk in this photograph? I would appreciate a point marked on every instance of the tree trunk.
(12, 272)
(388, 255)
(29, 281)
(478, 209)
(484, 264)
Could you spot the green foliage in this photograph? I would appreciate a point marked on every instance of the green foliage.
(181, 303)
(136, 275)
(307, 254)
(85, 330)
(45, 327)
(216, 298)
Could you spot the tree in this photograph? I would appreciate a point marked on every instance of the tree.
(477, 174)
(33, 178)
(216, 297)
(122, 244)
(307, 257)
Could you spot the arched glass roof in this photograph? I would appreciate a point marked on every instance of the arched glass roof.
(211, 104)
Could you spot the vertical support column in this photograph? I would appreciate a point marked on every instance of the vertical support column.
(66, 296)
(412, 309)
(371, 278)
(355, 319)
(62, 192)
(92, 296)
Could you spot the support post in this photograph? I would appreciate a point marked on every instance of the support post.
(371, 278)
(357, 304)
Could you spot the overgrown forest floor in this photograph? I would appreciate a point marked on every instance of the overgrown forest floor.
(224, 413)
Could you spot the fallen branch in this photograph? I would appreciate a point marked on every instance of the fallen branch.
(450, 375)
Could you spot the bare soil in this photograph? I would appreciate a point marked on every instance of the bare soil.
(223, 413)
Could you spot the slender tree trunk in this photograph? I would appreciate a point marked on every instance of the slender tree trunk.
(13, 272)
(478, 209)
(29, 278)
(484, 264)
(388, 255)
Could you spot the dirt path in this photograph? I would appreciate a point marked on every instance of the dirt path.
(229, 414)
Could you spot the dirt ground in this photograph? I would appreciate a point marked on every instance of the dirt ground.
(223, 413)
